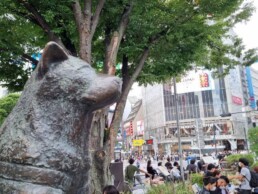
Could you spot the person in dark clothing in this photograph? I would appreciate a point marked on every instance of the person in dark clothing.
(200, 165)
(255, 189)
(168, 164)
(210, 170)
(150, 170)
(110, 189)
(192, 167)
(221, 184)
(209, 185)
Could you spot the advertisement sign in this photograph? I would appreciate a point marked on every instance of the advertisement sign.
(140, 128)
(237, 100)
(138, 142)
(235, 83)
(194, 81)
(252, 103)
(149, 141)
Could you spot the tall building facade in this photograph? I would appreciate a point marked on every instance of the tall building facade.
(202, 99)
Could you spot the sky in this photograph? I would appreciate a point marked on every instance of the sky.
(248, 31)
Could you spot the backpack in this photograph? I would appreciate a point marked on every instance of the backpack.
(254, 179)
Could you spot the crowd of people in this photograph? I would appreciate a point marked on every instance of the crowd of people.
(214, 182)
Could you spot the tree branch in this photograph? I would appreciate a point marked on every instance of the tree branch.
(77, 11)
(140, 65)
(95, 18)
(27, 57)
(44, 25)
(112, 50)
(87, 13)
(125, 19)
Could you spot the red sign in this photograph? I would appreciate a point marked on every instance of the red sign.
(131, 128)
(149, 141)
(237, 100)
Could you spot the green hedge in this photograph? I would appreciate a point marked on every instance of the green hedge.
(169, 188)
(254, 164)
(197, 178)
(231, 159)
(6, 105)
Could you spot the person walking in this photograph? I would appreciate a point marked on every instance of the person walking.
(130, 171)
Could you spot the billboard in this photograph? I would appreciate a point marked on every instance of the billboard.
(235, 86)
(140, 128)
(194, 81)
(252, 99)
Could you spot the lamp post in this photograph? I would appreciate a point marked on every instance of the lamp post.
(178, 132)
(214, 139)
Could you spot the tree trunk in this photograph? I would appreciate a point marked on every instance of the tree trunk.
(85, 45)
(118, 114)
(100, 174)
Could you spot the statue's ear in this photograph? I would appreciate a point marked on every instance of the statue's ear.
(52, 54)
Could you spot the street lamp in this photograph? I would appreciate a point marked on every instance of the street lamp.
(214, 139)
(178, 131)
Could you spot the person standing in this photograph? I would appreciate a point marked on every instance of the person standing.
(256, 171)
(244, 176)
(130, 171)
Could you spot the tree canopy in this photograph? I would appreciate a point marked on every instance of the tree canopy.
(6, 105)
(253, 139)
(175, 34)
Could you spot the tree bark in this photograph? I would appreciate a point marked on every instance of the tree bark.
(86, 25)
(118, 114)
(113, 47)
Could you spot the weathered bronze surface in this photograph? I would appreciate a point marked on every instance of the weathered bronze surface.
(44, 141)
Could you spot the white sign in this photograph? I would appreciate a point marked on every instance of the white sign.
(194, 81)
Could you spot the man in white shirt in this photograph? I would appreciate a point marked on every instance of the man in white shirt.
(162, 169)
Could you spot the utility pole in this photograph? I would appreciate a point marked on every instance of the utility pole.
(178, 132)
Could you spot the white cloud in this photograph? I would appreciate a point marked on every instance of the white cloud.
(248, 31)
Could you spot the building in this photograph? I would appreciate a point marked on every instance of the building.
(133, 128)
(202, 99)
(3, 92)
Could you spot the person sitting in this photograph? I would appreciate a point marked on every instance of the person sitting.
(130, 171)
(221, 184)
(192, 167)
(216, 173)
(175, 172)
(209, 184)
(168, 164)
(163, 171)
(110, 189)
(201, 165)
(210, 170)
(151, 170)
